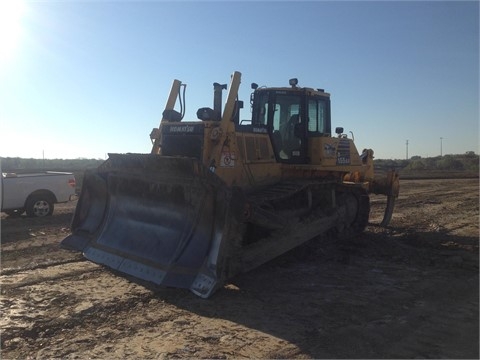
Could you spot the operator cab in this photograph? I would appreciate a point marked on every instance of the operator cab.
(291, 116)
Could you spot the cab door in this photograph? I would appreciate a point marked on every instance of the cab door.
(288, 126)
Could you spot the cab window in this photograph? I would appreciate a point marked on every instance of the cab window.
(285, 118)
(317, 116)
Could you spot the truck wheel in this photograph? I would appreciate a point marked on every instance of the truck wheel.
(39, 206)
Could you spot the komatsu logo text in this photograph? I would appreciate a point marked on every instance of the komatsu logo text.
(181, 128)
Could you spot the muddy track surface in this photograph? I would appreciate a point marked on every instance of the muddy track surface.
(407, 291)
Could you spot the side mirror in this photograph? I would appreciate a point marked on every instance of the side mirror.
(339, 130)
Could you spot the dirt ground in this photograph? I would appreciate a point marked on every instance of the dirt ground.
(407, 291)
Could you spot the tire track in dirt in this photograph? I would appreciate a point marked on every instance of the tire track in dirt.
(60, 298)
(40, 309)
(39, 262)
(29, 243)
(45, 272)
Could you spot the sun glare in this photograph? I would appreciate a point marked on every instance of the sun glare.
(11, 15)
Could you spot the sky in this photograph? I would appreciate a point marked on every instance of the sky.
(81, 79)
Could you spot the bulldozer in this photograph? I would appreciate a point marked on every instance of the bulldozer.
(219, 196)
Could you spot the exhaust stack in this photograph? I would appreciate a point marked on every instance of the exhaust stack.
(217, 99)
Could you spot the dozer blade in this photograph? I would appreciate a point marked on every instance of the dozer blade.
(157, 218)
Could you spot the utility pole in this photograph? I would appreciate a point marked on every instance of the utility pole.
(441, 145)
(406, 143)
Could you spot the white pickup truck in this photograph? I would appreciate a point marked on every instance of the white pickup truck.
(35, 193)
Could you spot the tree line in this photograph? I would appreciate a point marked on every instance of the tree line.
(468, 162)
(461, 162)
(19, 165)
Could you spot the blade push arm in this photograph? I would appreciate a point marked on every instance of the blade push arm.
(172, 98)
(227, 127)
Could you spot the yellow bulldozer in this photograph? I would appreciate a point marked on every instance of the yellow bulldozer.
(219, 196)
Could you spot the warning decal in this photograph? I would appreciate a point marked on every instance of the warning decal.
(227, 159)
(343, 152)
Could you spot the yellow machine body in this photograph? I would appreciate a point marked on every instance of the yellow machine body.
(221, 195)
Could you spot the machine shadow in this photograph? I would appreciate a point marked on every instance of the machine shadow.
(10, 225)
(316, 294)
